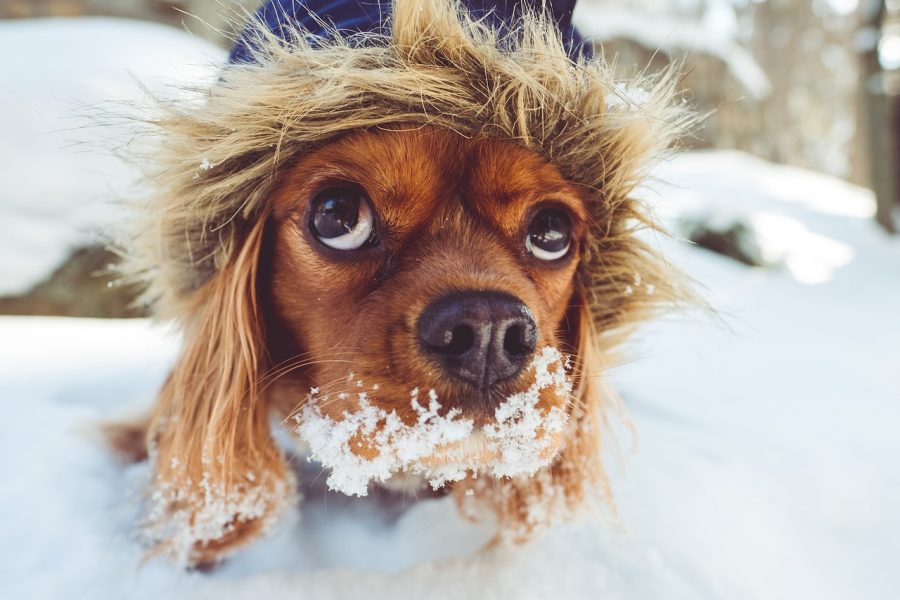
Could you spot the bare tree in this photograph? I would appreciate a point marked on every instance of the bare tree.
(875, 119)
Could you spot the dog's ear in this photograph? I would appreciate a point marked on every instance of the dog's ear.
(579, 470)
(524, 506)
(219, 477)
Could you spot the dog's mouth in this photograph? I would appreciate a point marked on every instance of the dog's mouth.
(369, 443)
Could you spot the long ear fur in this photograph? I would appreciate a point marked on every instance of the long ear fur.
(525, 506)
(219, 478)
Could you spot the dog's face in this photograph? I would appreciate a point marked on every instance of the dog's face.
(416, 258)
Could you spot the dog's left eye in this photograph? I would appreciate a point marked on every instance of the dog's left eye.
(342, 218)
(549, 234)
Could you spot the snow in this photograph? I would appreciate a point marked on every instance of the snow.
(713, 32)
(395, 446)
(763, 462)
(790, 225)
(624, 97)
(63, 118)
(370, 444)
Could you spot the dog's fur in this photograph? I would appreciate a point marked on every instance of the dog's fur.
(456, 135)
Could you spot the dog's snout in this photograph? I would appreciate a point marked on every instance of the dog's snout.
(479, 337)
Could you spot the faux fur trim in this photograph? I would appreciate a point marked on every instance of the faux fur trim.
(217, 159)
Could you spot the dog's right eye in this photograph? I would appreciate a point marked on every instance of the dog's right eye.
(549, 235)
(342, 218)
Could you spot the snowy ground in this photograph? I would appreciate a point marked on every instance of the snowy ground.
(766, 461)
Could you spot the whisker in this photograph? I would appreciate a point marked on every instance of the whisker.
(309, 363)
(300, 358)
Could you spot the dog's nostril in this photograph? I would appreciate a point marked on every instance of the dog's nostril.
(514, 341)
(458, 340)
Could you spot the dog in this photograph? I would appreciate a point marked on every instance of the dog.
(413, 250)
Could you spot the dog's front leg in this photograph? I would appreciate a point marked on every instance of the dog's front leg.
(207, 500)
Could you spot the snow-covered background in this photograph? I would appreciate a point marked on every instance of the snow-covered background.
(763, 461)
(65, 93)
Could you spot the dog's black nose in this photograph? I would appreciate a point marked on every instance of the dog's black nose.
(480, 337)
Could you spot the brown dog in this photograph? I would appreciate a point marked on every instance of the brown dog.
(397, 246)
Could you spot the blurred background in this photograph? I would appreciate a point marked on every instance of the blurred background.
(768, 458)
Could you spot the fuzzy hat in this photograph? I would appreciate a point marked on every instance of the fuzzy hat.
(296, 80)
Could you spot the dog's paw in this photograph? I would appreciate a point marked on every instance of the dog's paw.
(199, 526)
(205, 556)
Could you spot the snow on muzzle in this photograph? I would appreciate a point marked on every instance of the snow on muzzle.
(441, 447)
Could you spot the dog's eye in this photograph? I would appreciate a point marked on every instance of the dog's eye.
(342, 218)
(550, 234)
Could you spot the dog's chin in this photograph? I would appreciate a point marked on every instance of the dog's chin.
(477, 453)
(472, 452)
(472, 456)
(469, 455)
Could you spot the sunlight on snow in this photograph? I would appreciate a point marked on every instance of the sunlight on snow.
(811, 258)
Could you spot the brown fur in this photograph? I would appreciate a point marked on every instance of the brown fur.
(456, 136)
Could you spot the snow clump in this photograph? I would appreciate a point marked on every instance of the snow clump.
(372, 444)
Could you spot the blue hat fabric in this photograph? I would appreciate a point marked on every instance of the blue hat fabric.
(321, 17)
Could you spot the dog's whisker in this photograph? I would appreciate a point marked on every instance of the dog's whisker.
(325, 396)
(273, 375)
(309, 356)
(331, 351)
(287, 366)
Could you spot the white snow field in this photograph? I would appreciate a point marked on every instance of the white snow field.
(64, 96)
(763, 460)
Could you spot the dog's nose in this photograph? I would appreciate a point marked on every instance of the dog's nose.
(480, 337)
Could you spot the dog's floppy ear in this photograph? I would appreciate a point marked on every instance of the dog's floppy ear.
(579, 470)
(219, 478)
(524, 506)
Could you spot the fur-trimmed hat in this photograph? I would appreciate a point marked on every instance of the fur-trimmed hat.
(288, 89)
